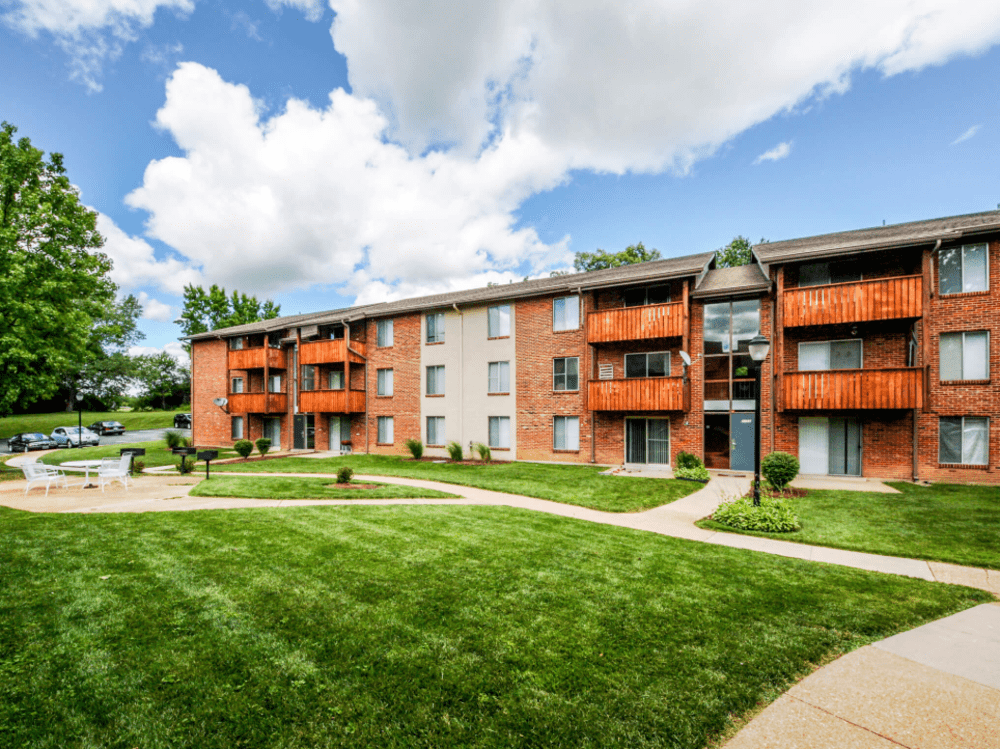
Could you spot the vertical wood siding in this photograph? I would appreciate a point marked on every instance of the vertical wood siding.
(636, 323)
(879, 299)
(637, 394)
(846, 389)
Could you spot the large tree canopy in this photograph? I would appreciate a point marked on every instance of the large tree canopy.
(636, 253)
(213, 310)
(54, 283)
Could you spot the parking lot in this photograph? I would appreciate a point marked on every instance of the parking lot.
(139, 435)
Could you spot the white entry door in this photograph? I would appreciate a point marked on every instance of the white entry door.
(340, 430)
(814, 445)
(272, 430)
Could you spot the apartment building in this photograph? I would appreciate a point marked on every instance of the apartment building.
(880, 362)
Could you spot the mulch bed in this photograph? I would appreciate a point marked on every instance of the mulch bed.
(449, 461)
(254, 459)
(352, 486)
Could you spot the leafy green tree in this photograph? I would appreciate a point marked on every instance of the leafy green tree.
(161, 379)
(737, 252)
(54, 283)
(635, 253)
(211, 310)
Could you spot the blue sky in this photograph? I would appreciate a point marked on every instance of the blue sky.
(321, 154)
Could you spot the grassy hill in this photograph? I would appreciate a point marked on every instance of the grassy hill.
(47, 422)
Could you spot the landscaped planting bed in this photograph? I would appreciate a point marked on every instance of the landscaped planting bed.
(279, 487)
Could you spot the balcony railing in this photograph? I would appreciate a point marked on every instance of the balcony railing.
(637, 394)
(636, 323)
(329, 351)
(860, 301)
(332, 401)
(258, 403)
(846, 389)
(253, 358)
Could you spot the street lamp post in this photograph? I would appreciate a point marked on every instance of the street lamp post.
(79, 419)
(759, 347)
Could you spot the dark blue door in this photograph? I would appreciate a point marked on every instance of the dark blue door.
(741, 432)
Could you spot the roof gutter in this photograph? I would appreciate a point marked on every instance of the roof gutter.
(956, 234)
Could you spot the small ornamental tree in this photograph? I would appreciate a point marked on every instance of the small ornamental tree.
(263, 445)
(243, 448)
(345, 474)
(779, 469)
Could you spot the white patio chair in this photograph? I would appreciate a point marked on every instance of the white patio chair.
(114, 469)
(39, 473)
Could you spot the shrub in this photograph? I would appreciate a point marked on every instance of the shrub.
(243, 448)
(688, 460)
(484, 452)
(697, 474)
(187, 442)
(416, 448)
(263, 445)
(138, 466)
(779, 469)
(455, 450)
(185, 466)
(774, 515)
(174, 439)
(344, 475)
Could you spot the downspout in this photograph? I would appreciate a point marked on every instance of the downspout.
(588, 355)
(347, 377)
(461, 378)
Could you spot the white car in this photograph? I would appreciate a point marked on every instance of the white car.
(75, 437)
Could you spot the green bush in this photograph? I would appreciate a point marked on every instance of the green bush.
(688, 460)
(455, 450)
(416, 448)
(138, 466)
(263, 445)
(174, 439)
(243, 448)
(484, 452)
(185, 466)
(698, 474)
(344, 475)
(779, 469)
(774, 515)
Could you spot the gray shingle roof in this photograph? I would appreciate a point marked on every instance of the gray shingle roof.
(879, 237)
(727, 281)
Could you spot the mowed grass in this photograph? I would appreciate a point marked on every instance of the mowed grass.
(577, 485)
(45, 423)
(157, 454)
(409, 626)
(280, 487)
(943, 523)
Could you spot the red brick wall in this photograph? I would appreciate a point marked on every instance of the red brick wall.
(403, 357)
(209, 379)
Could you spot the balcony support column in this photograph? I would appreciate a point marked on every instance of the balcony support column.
(686, 339)
(267, 375)
(779, 338)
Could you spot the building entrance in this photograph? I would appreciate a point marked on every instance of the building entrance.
(647, 441)
(729, 441)
(305, 432)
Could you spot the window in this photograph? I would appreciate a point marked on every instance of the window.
(566, 373)
(435, 430)
(384, 381)
(963, 440)
(498, 321)
(830, 355)
(274, 384)
(384, 334)
(435, 327)
(237, 385)
(236, 344)
(336, 379)
(237, 428)
(965, 356)
(385, 436)
(500, 431)
(308, 377)
(566, 433)
(566, 313)
(435, 380)
(647, 295)
(499, 377)
(818, 274)
(652, 364)
(963, 269)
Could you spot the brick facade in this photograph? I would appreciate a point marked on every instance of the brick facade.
(403, 358)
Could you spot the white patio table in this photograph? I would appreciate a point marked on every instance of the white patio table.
(82, 465)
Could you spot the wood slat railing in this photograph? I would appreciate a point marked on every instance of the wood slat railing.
(844, 389)
(331, 350)
(636, 323)
(860, 301)
(636, 394)
(332, 401)
(258, 403)
(253, 358)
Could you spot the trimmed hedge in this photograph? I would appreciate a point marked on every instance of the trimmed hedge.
(780, 469)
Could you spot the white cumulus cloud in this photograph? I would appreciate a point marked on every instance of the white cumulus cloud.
(153, 309)
(311, 9)
(174, 348)
(966, 135)
(777, 153)
(135, 263)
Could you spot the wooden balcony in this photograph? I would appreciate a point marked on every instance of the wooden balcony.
(853, 389)
(258, 403)
(878, 299)
(636, 323)
(332, 401)
(637, 394)
(253, 358)
(330, 350)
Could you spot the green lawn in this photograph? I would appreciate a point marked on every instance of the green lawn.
(10, 474)
(298, 488)
(409, 626)
(157, 454)
(943, 523)
(45, 423)
(576, 485)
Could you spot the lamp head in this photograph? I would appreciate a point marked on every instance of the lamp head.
(759, 347)
(79, 397)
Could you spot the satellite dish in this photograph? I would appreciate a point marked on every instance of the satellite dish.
(220, 402)
(685, 358)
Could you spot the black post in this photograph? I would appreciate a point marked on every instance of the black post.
(79, 422)
(756, 437)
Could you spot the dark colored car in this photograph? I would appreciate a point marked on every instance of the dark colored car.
(107, 427)
(21, 443)
(182, 421)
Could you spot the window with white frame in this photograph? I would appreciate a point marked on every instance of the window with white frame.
(274, 384)
(385, 436)
(237, 385)
(566, 313)
(384, 333)
(963, 269)
(650, 364)
(336, 379)
(384, 377)
(435, 430)
(823, 355)
(500, 432)
(965, 356)
(566, 433)
(435, 380)
(963, 440)
(435, 327)
(237, 428)
(498, 321)
(566, 373)
(499, 377)
(308, 377)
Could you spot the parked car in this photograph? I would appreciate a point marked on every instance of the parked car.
(182, 421)
(70, 437)
(20, 443)
(107, 427)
